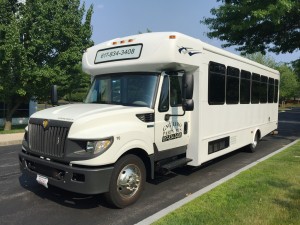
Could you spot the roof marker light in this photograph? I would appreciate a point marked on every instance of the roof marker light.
(172, 37)
(122, 42)
(130, 40)
(114, 43)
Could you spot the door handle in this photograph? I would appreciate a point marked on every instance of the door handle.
(185, 129)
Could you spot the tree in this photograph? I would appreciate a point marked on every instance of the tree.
(11, 58)
(289, 82)
(296, 67)
(257, 26)
(147, 31)
(41, 44)
(263, 59)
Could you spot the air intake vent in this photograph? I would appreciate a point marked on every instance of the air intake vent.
(147, 117)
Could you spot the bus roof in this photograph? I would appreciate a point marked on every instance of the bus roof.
(152, 52)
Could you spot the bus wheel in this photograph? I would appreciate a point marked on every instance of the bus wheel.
(253, 145)
(127, 181)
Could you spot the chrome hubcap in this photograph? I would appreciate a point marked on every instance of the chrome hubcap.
(128, 182)
(254, 144)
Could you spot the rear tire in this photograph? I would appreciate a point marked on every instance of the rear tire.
(252, 147)
(127, 181)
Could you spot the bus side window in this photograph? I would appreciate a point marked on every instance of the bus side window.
(255, 88)
(216, 83)
(232, 85)
(245, 87)
(271, 88)
(276, 91)
(263, 89)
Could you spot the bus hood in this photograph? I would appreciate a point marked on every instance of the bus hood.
(75, 112)
(97, 121)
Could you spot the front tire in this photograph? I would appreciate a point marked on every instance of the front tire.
(127, 181)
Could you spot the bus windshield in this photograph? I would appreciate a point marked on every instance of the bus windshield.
(130, 89)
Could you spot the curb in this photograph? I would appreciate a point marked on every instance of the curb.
(176, 205)
(13, 142)
(11, 139)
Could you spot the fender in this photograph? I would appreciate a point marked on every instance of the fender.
(125, 139)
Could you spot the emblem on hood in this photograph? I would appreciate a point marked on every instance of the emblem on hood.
(45, 124)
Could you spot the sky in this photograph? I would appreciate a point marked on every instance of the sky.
(118, 18)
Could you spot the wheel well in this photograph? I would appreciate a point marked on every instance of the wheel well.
(258, 133)
(143, 155)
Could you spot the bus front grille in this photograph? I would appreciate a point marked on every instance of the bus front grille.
(48, 142)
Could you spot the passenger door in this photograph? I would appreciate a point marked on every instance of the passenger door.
(172, 133)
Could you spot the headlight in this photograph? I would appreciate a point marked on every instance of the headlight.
(98, 147)
(25, 138)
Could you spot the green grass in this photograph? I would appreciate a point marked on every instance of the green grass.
(15, 129)
(268, 193)
(287, 106)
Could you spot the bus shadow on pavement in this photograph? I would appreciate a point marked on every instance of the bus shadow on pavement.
(63, 197)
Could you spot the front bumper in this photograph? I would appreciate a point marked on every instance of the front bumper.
(76, 179)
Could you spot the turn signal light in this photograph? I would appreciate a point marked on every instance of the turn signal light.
(122, 42)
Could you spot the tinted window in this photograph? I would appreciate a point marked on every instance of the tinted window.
(175, 91)
(271, 90)
(164, 97)
(232, 85)
(255, 88)
(245, 87)
(276, 91)
(263, 89)
(216, 83)
(132, 89)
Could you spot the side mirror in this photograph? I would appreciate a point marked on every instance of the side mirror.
(188, 105)
(54, 98)
(188, 86)
(187, 92)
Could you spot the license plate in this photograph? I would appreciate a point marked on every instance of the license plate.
(42, 180)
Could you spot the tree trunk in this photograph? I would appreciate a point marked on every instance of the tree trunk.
(70, 96)
(7, 123)
(8, 118)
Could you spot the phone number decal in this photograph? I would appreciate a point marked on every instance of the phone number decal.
(116, 53)
(119, 53)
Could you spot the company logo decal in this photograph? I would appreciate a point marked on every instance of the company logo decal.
(45, 124)
(172, 130)
(189, 51)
